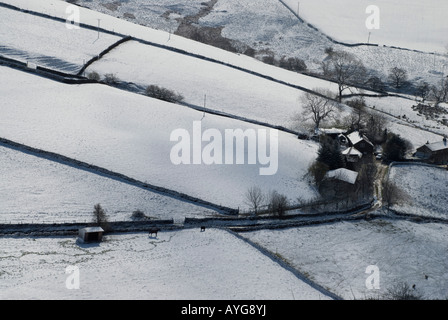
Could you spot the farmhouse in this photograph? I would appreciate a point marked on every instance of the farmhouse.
(352, 155)
(331, 132)
(90, 234)
(337, 183)
(436, 152)
(360, 142)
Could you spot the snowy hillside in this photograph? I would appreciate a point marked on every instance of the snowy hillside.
(270, 28)
(42, 191)
(337, 255)
(225, 89)
(425, 189)
(29, 38)
(130, 134)
(187, 264)
(414, 25)
(76, 142)
(407, 111)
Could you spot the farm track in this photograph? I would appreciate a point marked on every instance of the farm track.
(233, 225)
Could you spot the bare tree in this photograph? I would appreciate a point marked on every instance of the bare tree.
(358, 116)
(375, 127)
(344, 68)
(317, 107)
(278, 203)
(423, 89)
(392, 194)
(255, 198)
(110, 78)
(100, 217)
(439, 93)
(398, 77)
(402, 291)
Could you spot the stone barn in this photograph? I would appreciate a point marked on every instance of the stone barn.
(338, 183)
(436, 152)
(90, 234)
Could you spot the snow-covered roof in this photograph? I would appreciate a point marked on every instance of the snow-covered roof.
(352, 151)
(343, 175)
(356, 137)
(437, 146)
(92, 229)
(331, 131)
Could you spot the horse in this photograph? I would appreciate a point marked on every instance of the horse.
(153, 231)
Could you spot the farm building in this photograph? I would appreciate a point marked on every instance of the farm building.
(436, 152)
(337, 183)
(90, 234)
(360, 142)
(352, 154)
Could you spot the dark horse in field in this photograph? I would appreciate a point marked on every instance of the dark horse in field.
(153, 231)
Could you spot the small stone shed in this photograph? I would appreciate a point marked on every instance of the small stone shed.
(90, 234)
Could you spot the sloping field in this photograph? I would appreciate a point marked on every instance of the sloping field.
(425, 188)
(130, 134)
(407, 111)
(269, 27)
(413, 25)
(36, 190)
(47, 42)
(337, 255)
(225, 89)
(162, 38)
(188, 264)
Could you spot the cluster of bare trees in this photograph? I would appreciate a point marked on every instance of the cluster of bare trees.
(164, 94)
(273, 202)
(437, 92)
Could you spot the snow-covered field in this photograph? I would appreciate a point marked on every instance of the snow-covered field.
(225, 89)
(130, 134)
(415, 136)
(337, 255)
(48, 43)
(267, 18)
(426, 189)
(187, 264)
(268, 26)
(414, 25)
(36, 190)
(401, 107)
(417, 129)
